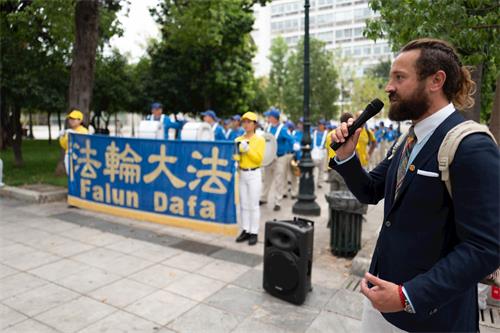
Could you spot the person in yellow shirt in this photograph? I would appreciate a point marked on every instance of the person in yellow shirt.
(75, 119)
(366, 139)
(251, 147)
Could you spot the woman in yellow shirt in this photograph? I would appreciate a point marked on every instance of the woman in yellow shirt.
(251, 147)
(75, 119)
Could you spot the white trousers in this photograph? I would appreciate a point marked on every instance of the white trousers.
(276, 172)
(373, 322)
(250, 187)
(319, 171)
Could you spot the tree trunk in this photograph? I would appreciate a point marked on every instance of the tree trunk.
(83, 65)
(18, 137)
(495, 113)
(59, 124)
(84, 53)
(50, 129)
(30, 119)
(474, 113)
(4, 121)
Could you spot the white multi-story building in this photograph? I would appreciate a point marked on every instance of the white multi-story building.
(339, 23)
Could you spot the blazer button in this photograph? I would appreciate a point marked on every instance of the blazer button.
(387, 224)
(432, 312)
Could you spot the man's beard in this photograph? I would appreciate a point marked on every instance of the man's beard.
(411, 108)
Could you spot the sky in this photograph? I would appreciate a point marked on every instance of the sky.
(138, 28)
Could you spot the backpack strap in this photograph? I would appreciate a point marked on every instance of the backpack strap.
(450, 144)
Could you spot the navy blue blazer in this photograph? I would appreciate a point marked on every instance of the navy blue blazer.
(437, 247)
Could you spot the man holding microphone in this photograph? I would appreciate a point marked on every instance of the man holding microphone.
(433, 247)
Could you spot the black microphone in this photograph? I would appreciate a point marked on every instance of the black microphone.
(371, 109)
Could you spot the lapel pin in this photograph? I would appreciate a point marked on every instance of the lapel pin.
(412, 167)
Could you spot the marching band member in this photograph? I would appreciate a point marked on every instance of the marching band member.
(167, 123)
(276, 171)
(251, 147)
(235, 128)
(75, 119)
(210, 117)
(318, 152)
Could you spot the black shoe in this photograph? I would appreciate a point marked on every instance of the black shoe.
(319, 186)
(285, 196)
(243, 237)
(252, 240)
(277, 208)
(294, 197)
(262, 203)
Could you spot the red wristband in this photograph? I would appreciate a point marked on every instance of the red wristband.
(402, 297)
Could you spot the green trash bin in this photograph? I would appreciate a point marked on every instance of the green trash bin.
(345, 222)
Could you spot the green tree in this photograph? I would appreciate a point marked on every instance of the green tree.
(470, 25)
(278, 73)
(204, 58)
(364, 89)
(380, 70)
(323, 81)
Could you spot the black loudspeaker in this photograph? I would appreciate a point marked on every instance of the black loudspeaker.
(288, 254)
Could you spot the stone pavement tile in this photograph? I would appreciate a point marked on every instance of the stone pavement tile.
(145, 250)
(59, 269)
(6, 271)
(223, 270)
(27, 235)
(251, 279)
(47, 242)
(30, 260)
(319, 297)
(236, 300)
(13, 215)
(91, 236)
(88, 280)
(122, 322)
(9, 317)
(70, 248)
(30, 326)
(121, 293)
(205, 319)
(40, 299)
(288, 316)
(97, 257)
(18, 283)
(346, 303)
(161, 306)
(53, 225)
(4, 242)
(127, 264)
(188, 261)
(330, 277)
(158, 276)
(251, 325)
(196, 247)
(195, 286)
(46, 209)
(238, 257)
(14, 250)
(335, 323)
(76, 314)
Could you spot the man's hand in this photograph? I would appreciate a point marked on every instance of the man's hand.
(384, 295)
(339, 135)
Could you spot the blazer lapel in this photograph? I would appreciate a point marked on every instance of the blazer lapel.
(428, 150)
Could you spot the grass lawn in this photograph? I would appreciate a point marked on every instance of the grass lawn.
(40, 160)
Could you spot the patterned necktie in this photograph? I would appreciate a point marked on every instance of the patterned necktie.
(411, 140)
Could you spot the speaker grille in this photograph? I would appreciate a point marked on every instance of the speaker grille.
(283, 270)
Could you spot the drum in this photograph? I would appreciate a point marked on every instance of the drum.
(197, 131)
(271, 150)
(149, 129)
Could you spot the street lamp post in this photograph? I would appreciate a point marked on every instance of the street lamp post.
(306, 204)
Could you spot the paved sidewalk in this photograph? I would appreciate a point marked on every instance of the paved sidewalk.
(71, 270)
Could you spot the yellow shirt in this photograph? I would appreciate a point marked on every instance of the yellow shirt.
(328, 142)
(255, 154)
(364, 141)
(63, 140)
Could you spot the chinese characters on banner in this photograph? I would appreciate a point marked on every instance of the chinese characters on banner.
(189, 180)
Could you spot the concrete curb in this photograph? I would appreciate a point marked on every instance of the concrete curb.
(35, 193)
(362, 260)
